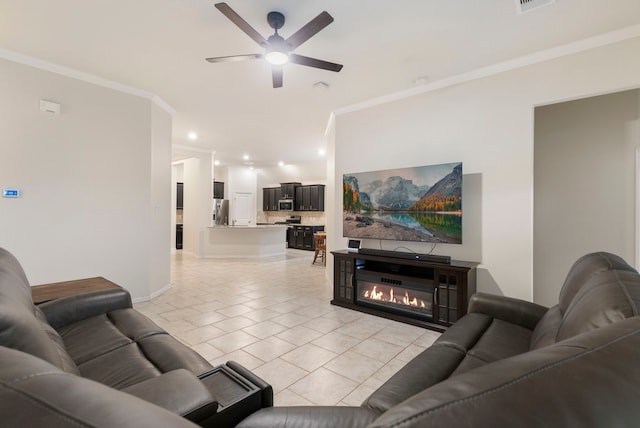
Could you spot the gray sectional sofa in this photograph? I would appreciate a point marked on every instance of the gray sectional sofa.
(61, 359)
(91, 360)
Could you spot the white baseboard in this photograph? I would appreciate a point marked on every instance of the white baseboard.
(152, 295)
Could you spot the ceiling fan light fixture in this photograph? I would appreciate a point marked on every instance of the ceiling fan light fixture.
(277, 50)
(276, 57)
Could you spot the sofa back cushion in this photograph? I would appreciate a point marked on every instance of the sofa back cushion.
(22, 324)
(600, 288)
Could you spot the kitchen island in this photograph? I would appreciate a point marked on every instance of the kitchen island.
(245, 241)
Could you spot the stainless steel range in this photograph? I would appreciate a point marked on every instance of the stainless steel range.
(292, 219)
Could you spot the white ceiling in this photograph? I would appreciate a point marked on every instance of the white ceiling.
(159, 46)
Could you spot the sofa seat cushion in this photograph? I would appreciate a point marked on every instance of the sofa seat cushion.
(499, 340)
(91, 338)
(123, 347)
(119, 368)
(33, 393)
(475, 340)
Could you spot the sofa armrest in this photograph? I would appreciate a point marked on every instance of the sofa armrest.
(67, 310)
(310, 417)
(178, 391)
(515, 311)
(267, 390)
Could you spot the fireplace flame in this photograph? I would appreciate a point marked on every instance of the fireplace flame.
(374, 294)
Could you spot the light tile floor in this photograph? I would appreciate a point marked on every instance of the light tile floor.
(273, 316)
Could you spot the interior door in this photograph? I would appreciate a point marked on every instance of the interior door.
(243, 208)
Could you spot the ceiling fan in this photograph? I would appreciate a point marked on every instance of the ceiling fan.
(277, 50)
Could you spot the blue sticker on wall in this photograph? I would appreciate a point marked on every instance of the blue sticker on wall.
(11, 193)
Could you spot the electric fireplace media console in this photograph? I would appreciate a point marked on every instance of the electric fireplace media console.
(422, 293)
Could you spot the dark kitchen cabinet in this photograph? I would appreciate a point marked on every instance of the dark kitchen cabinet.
(218, 190)
(298, 199)
(178, 237)
(301, 237)
(291, 237)
(270, 198)
(299, 242)
(310, 198)
(288, 190)
(180, 196)
(316, 202)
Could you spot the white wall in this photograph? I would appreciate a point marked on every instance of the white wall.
(162, 208)
(306, 173)
(332, 199)
(488, 125)
(88, 206)
(584, 184)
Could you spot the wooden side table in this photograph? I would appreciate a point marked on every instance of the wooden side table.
(45, 292)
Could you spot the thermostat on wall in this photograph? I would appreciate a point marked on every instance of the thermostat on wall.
(11, 193)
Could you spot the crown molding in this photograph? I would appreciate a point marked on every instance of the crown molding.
(85, 77)
(612, 37)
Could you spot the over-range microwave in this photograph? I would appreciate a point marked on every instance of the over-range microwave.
(285, 205)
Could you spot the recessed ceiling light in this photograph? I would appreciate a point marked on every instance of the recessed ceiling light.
(217, 162)
(323, 86)
(280, 163)
(245, 157)
(321, 152)
(192, 136)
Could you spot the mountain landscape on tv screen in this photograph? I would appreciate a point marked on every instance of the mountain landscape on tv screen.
(410, 204)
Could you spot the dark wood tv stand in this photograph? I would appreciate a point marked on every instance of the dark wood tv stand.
(450, 284)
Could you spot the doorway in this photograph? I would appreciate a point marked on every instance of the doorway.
(584, 185)
(243, 208)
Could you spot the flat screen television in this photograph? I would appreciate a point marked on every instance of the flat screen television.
(421, 204)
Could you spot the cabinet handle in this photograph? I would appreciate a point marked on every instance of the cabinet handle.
(435, 296)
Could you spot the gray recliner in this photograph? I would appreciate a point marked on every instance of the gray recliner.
(512, 363)
(96, 342)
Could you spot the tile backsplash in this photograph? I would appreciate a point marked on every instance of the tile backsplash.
(306, 217)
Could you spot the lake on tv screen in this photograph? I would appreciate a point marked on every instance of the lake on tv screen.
(403, 226)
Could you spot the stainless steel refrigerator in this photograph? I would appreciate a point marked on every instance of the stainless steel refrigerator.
(220, 212)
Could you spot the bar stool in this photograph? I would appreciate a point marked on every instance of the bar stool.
(320, 241)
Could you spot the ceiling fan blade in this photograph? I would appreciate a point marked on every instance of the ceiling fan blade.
(241, 23)
(235, 58)
(309, 30)
(312, 62)
(276, 72)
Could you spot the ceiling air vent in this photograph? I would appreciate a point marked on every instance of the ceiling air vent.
(526, 5)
